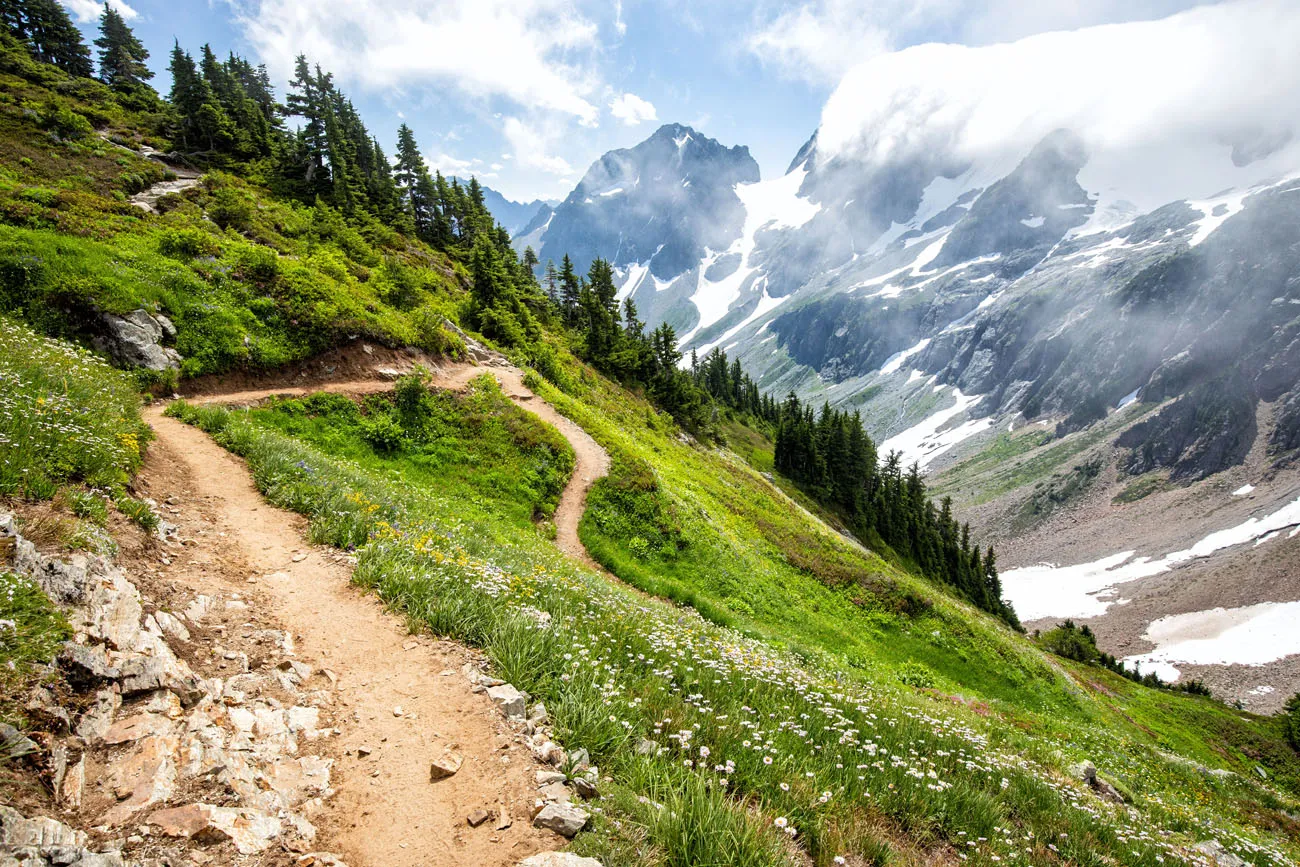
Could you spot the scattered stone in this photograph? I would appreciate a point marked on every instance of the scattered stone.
(86, 667)
(133, 728)
(545, 778)
(510, 700)
(1087, 772)
(320, 859)
(147, 674)
(478, 817)
(72, 790)
(563, 819)
(136, 340)
(252, 831)
(445, 766)
(298, 558)
(397, 711)
(558, 859)
(363, 751)
(646, 747)
(585, 788)
(580, 759)
(556, 792)
(1220, 854)
(537, 715)
(14, 744)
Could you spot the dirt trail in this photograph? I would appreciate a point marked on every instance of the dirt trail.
(386, 811)
(592, 461)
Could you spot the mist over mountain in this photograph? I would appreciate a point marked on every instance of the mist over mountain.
(1041, 245)
(514, 216)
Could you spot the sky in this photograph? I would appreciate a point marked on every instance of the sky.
(526, 94)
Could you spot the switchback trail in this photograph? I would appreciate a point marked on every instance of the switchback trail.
(591, 461)
(403, 699)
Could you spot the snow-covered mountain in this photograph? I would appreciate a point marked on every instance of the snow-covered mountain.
(1018, 231)
(656, 210)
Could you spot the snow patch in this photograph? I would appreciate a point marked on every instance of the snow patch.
(923, 442)
(895, 362)
(1084, 590)
(1214, 213)
(1243, 490)
(1252, 635)
(1128, 399)
(1034, 222)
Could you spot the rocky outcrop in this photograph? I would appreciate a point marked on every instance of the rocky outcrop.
(221, 763)
(137, 339)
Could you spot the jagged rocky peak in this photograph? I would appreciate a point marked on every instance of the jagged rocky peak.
(662, 203)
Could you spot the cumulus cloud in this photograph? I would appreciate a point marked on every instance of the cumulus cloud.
(530, 52)
(632, 109)
(1155, 101)
(86, 11)
(818, 41)
(450, 165)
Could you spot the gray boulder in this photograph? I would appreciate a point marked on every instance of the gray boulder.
(136, 339)
(558, 859)
(561, 818)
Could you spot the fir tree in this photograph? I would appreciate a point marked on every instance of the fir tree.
(121, 56)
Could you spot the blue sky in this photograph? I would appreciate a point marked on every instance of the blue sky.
(527, 93)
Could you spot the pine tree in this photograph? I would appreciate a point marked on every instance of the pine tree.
(49, 34)
(121, 56)
(569, 290)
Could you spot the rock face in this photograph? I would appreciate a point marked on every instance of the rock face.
(660, 203)
(137, 339)
(153, 733)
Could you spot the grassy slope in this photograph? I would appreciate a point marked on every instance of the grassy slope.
(471, 575)
(250, 281)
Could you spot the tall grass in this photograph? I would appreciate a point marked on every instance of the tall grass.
(749, 746)
(65, 416)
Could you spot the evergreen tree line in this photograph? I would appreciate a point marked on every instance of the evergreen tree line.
(1071, 641)
(51, 37)
(614, 340)
(830, 455)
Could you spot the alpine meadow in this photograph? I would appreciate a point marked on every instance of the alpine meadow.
(930, 498)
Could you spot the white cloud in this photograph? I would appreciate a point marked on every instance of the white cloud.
(819, 40)
(530, 52)
(1156, 102)
(86, 11)
(632, 109)
(450, 165)
(620, 26)
(531, 145)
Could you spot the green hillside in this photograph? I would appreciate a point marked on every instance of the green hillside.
(760, 689)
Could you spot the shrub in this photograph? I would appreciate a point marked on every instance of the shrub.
(230, 209)
(382, 432)
(187, 243)
(916, 674)
(1291, 720)
(1071, 642)
(65, 123)
(140, 512)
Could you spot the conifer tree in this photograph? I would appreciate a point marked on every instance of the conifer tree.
(49, 34)
(121, 55)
